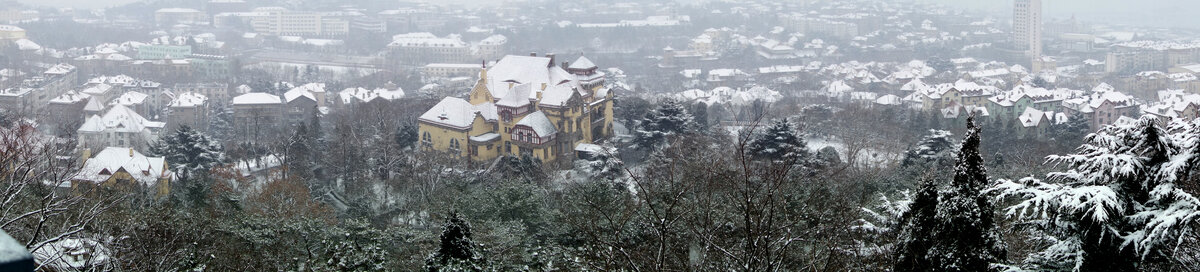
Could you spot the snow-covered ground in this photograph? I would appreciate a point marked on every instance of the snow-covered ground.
(868, 156)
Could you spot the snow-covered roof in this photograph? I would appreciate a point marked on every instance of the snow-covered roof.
(556, 96)
(306, 90)
(256, 99)
(72, 254)
(426, 39)
(889, 99)
(188, 100)
(914, 85)
(70, 97)
(458, 113)
(130, 98)
(486, 137)
(27, 45)
(539, 123)
(582, 63)
(119, 118)
(512, 71)
(1032, 117)
(351, 95)
(145, 170)
(60, 69)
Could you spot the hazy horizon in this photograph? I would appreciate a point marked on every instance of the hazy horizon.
(1171, 13)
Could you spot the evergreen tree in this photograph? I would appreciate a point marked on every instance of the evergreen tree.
(406, 135)
(668, 119)
(1072, 132)
(778, 143)
(700, 110)
(189, 152)
(934, 147)
(299, 153)
(314, 125)
(1120, 205)
(965, 237)
(916, 225)
(221, 124)
(456, 251)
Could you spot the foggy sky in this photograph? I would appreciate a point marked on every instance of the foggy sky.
(1176, 13)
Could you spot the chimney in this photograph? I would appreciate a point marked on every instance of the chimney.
(533, 54)
(566, 64)
(131, 152)
(551, 56)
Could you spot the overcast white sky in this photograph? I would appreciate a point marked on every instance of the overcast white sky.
(1154, 12)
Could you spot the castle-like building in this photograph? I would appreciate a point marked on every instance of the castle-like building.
(523, 105)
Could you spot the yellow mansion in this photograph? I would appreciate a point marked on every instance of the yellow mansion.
(523, 105)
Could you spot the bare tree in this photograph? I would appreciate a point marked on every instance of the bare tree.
(38, 207)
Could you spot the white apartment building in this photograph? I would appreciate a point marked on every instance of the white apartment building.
(282, 22)
(1027, 27)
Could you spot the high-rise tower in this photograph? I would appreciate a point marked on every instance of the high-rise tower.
(1027, 26)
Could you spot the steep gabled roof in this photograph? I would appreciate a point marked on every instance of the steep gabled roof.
(582, 63)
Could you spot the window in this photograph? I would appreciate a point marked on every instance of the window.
(427, 140)
(454, 147)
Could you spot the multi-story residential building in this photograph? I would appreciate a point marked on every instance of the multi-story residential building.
(1139, 56)
(1027, 27)
(34, 93)
(17, 15)
(188, 109)
(1175, 104)
(357, 96)
(211, 67)
(168, 70)
(283, 22)
(417, 49)
(215, 92)
(257, 116)
(811, 25)
(302, 102)
(447, 70)
(163, 51)
(524, 105)
(65, 111)
(492, 48)
(1102, 108)
(10, 34)
(367, 24)
(138, 102)
(120, 126)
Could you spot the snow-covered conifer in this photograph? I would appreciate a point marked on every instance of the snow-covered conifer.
(778, 143)
(1118, 205)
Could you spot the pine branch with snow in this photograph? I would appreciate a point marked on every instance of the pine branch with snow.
(1117, 206)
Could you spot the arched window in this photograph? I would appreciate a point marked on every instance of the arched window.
(427, 140)
(454, 147)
